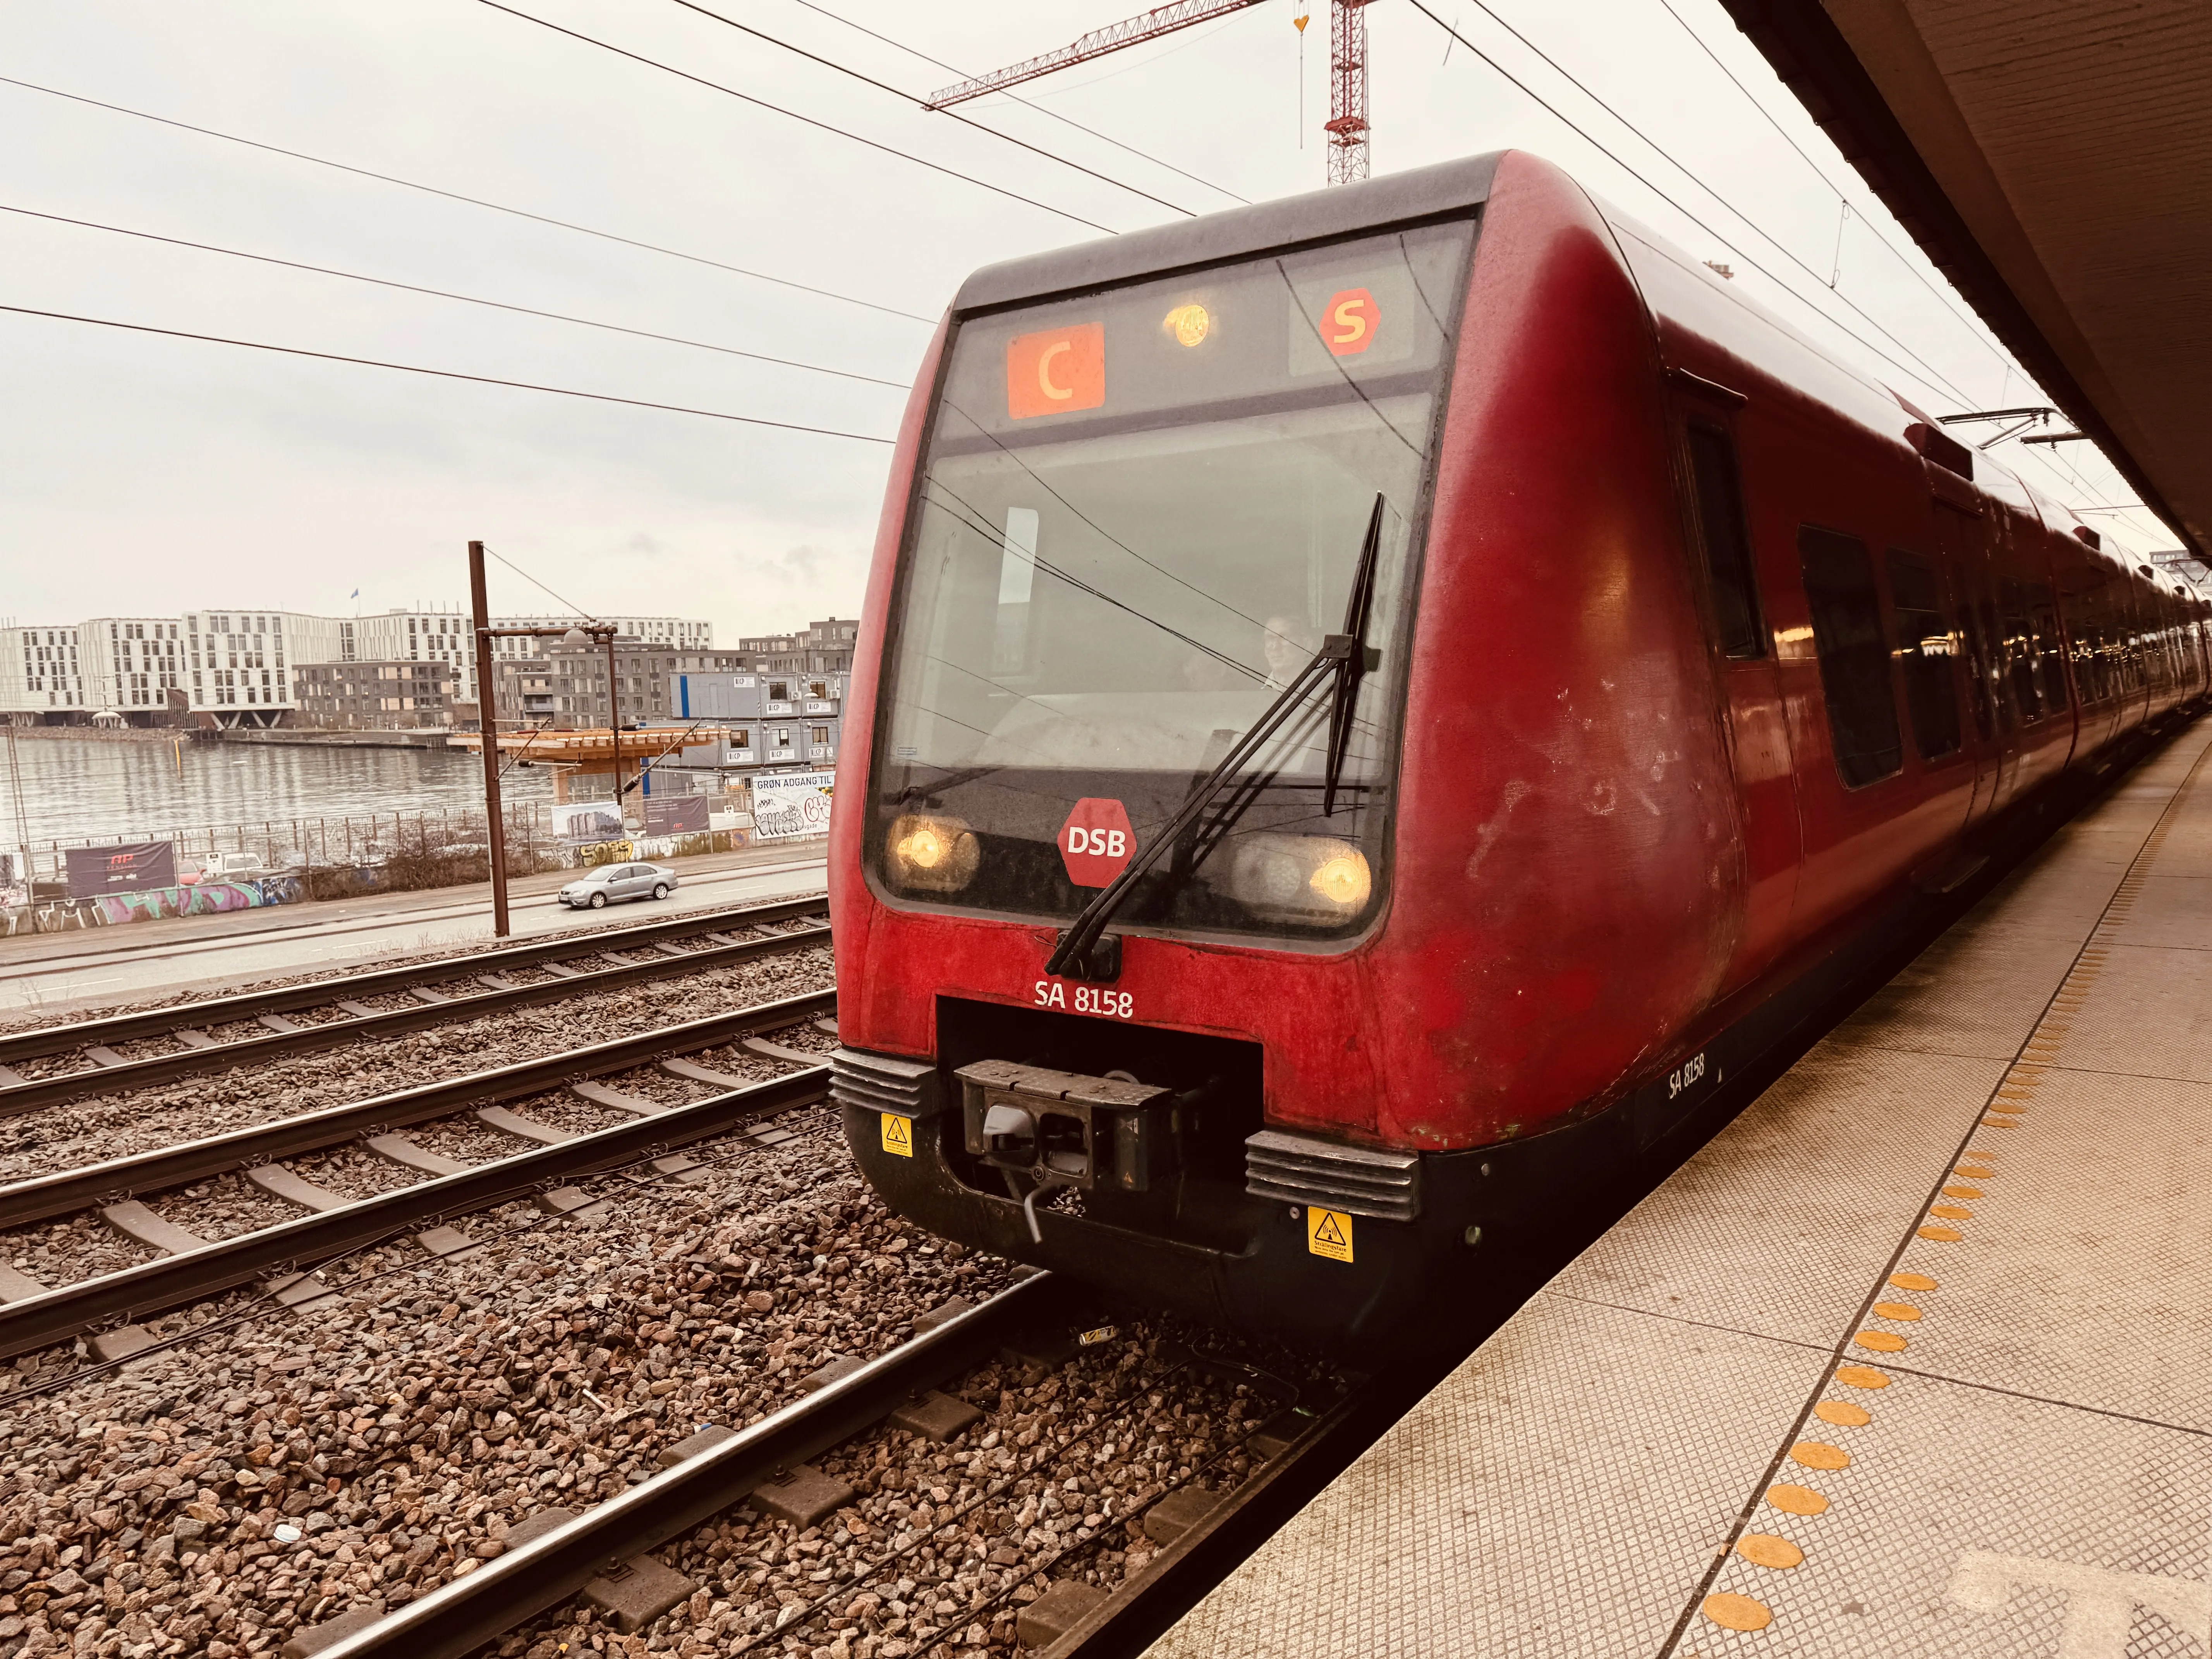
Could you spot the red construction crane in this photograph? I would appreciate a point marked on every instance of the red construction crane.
(1346, 126)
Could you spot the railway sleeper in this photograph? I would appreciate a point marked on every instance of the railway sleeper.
(544, 954)
(192, 1268)
(375, 1118)
(111, 1071)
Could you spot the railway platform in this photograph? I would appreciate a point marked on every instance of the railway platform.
(1913, 1358)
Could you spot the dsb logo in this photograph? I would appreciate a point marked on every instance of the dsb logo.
(1097, 841)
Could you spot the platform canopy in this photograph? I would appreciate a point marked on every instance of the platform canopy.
(2054, 158)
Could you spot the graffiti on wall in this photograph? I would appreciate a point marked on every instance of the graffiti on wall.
(154, 903)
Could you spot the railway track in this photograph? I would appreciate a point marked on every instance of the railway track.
(281, 1257)
(82, 1058)
(604, 1553)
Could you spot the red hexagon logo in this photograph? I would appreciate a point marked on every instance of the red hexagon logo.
(1096, 842)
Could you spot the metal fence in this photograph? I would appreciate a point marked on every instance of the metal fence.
(323, 843)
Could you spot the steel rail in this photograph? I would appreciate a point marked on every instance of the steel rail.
(465, 1613)
(190, 1276)
(1139, 1611)
(44, 1196)
(115, 1079)
(247, 1005)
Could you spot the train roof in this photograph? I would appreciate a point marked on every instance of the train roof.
(1444, 191)
(1450, 189)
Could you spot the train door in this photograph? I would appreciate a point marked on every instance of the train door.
(1960, 541)
(1757, 724)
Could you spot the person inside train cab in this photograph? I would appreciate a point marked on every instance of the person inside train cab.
(1288, 644)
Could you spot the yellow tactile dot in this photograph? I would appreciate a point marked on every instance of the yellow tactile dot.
(1942, 1235)
(1862, 1376)
(2000, 1122)
(1951, 1212)
(1902, 1310)
(1820, 1455)
(1963, 1191)
(1764, 1549)
(1737, 1612)
(1796, 1500)
(1880, 1342)
(1912, 1281)
(1844, 1412)
(1973, 1174)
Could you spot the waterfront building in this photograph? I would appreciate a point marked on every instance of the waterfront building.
(443, 638)
(393, 694)
(42, 676)
(240, 662)
(132, 665)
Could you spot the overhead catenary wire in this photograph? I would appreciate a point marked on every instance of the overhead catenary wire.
(1925, 372)
(923, 104)
(447, 294)
(473, 201)
(791, 114)
(1939, 381)
(1820, 172)
(1928, 374)
(1065, 120)
(444, 374)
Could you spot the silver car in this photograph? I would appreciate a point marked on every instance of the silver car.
(611, 883)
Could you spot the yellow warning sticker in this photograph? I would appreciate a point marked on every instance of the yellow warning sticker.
(898, 1134)
(1329, 1233)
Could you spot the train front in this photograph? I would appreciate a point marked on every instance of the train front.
(1113, 854)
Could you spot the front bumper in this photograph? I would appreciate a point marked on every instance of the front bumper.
(1293, 1274)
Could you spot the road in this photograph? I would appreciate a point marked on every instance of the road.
(103, 967)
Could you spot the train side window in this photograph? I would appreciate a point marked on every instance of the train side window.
(2050, 652)
(1926, 649)
(1854, 655)
(2019, 650)
(1730, 570)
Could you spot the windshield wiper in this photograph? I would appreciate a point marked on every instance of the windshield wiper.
(1081, 950)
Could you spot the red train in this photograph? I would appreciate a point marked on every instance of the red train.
(1369, 707)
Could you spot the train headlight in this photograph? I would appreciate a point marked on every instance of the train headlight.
(934, 854)
(1309, 879)
(1343, 879)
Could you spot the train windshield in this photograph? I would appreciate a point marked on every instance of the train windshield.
(1138, 515)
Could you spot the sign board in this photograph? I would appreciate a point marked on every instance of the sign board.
(131, 868)
(792, 804)
(1097, 841)
(581, 822)
(676, 815)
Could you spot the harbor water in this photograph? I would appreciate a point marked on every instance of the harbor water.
(75, 790)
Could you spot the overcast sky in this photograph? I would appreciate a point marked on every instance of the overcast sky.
(150, 474)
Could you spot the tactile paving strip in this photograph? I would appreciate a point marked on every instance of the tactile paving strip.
(1909, 1512)
(1957, 1525)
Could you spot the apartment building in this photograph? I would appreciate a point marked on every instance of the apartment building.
(395, 695)
(651, 633)
(820, 648)
(564, 687)
(132, 664)
(240, 661)
(42, 676)
(445, 638)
